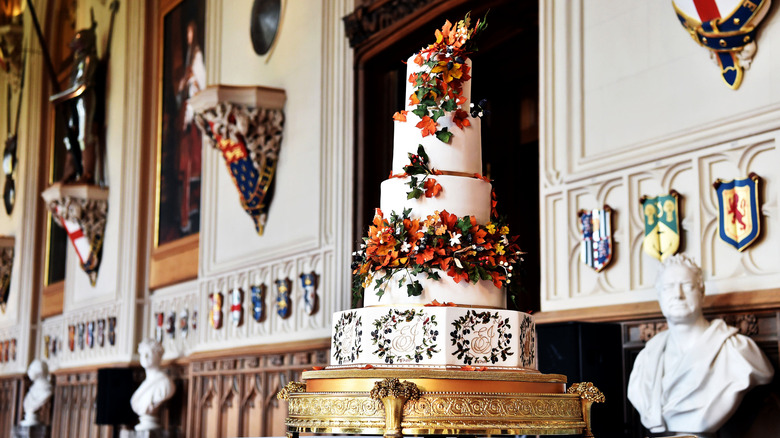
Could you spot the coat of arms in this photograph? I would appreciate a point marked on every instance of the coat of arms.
(184, 323)
(309, 283)
(101, 332)
(112, 330)
(662, 225)
(727, 28)
(80, 334)
(258, 302)
(170, 324)
(91, 334)
(71, 337)
(283, 300)
(596, 229)
(739, 218)
(215, 310)
(158, 328)
(237, 306)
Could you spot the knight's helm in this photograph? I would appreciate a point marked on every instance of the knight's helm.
(84, 41)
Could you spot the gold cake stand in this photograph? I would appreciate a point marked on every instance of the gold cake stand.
(437, 402)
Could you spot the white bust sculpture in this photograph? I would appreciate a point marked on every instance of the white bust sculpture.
(38, 394)
(692, 377)
(156, 388)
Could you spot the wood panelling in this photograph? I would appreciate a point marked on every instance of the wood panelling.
(236, 396)
(11, 391)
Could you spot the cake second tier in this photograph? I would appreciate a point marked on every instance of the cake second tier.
(461, 196)
(433, 337)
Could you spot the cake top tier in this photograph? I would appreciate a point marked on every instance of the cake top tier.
(437, 75)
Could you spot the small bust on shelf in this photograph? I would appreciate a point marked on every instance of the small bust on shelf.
(156, 388)
(38, 394)
(692, 377)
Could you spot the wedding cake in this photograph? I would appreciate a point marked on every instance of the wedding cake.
(433, 269)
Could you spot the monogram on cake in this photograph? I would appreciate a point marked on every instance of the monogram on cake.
(433, 269)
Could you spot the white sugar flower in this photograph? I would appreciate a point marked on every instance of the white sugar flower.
(455, 239)
(504, 240)
(406, 247)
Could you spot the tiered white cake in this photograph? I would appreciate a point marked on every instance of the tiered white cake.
(436, 260)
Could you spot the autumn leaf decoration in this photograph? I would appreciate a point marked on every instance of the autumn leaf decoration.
(442, 242)
(438, 88)
(419, 173)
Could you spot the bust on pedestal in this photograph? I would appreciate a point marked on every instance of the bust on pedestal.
(36, 397)
(156, 388)
(692, 377)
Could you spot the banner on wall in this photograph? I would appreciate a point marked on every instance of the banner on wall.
(596, 233)
(727, 28)
(662, 225)
(739, 215)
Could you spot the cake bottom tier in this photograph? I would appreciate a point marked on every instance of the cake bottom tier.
(433, 338)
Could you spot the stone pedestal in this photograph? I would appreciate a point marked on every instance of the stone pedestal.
(37, 431)
(158, 433)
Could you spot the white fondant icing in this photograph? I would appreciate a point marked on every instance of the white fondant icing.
(484, 293)
(460, 196)
(462, 154)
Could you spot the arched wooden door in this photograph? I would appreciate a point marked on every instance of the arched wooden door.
(505, 72)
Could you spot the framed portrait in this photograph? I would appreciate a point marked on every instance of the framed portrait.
(182, 74)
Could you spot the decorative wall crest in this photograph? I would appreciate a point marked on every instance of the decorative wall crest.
(662, 225)
(258, 302)
(81, 210)
(739, 217)
(596, 229)
(215, 310)
(309, 284)
(237, 306)
(727, 28)
(283, 300)
(6, 268)
(245, 124)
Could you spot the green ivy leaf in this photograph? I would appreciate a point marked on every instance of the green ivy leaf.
(444, 135)
(421, 111)
(414, 289)
(449, 105)
(436, 114)
(414, 194)
(422, 154)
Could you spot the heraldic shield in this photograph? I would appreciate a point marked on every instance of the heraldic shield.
(662, 225)
(596, 229)
(727, 28)
(739, 219)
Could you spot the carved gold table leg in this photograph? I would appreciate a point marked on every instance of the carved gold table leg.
(589, 394)
(394, 394)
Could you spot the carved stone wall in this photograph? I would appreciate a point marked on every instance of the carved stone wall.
(626, 117)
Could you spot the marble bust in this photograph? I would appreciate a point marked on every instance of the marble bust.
(156, 388)
(693, 376)
(38, 394)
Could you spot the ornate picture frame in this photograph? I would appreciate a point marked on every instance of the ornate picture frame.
(181, 73)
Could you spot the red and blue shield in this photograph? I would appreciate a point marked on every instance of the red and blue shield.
(596, 229)
(727, 28)
(739, 219)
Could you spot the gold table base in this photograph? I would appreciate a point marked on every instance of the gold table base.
(434, 402)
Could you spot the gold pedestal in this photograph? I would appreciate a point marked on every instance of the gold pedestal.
(437, 402)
